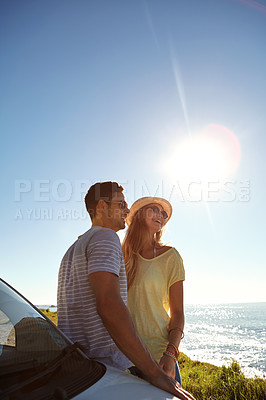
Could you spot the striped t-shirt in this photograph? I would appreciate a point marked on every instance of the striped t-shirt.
(98, 249)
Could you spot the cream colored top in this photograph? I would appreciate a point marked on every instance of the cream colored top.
(148, 298)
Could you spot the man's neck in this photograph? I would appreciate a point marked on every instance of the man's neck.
(99, 222)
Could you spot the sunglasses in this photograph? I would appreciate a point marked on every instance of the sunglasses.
(123, 203)
(157, 211)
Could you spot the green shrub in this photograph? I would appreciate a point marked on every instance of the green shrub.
(52, 315)
(209, 382)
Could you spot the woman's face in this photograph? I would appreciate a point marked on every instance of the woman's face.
(154, 216)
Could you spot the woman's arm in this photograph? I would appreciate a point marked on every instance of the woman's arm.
(176, 313)
(176, 326)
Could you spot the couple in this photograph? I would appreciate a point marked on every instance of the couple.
(93, 285)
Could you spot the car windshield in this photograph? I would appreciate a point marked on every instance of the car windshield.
(35, 357)
(25, 335)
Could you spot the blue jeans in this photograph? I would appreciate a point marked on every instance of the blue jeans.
(177, 374)
(135, 371)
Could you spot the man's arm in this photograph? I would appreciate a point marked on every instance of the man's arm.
(119, 324)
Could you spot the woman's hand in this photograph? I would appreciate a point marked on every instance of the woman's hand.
(168, 365)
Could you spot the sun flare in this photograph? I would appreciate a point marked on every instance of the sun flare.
(213, 154)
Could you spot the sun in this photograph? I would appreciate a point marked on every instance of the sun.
(213, 154)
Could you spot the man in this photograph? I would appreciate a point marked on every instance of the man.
(92, 291)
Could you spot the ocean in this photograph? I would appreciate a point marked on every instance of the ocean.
(221, 333)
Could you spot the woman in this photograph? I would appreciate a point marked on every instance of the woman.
(155, 282)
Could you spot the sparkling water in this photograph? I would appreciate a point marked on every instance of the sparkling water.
(221, 333)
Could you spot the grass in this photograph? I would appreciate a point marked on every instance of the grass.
(209, 382)
(52, 315)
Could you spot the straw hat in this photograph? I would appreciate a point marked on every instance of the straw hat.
(144, 201)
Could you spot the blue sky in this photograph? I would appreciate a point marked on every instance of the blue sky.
(166, 97)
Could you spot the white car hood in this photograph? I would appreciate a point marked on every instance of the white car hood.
(119, 385)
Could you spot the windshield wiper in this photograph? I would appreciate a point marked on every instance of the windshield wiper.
(46, 369)
(11, 369)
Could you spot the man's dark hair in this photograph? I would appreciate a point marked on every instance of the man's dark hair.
(100, 191)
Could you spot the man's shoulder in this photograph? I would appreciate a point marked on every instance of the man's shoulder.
(103, 238)
(100, 233)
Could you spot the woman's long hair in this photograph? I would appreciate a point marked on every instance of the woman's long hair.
(136, 236)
